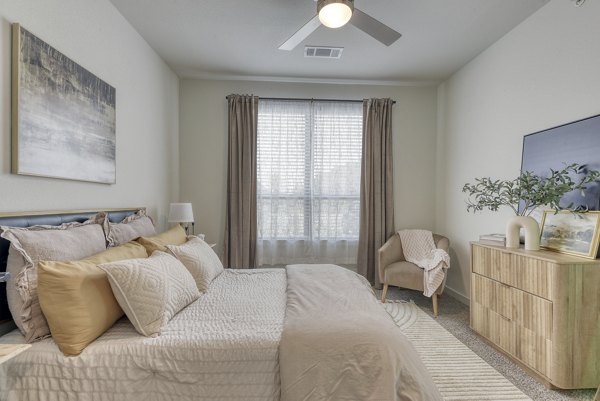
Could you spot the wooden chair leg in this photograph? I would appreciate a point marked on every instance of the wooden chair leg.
(434, 298)
(384, 293)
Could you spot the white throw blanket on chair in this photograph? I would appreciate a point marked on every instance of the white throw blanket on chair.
(419, 248)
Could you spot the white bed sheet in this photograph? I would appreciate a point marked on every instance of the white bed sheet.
(222, 347)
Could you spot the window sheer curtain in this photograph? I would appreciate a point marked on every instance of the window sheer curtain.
(308, 181)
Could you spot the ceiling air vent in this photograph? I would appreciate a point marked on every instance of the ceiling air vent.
(323, 52)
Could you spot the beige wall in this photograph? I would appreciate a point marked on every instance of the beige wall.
(203, 145)
(95, 35)
(544, 73)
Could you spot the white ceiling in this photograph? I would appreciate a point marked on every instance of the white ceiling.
(227, 38)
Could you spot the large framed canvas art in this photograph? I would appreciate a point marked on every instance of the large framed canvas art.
(63, 116)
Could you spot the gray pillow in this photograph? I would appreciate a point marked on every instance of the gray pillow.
(152, 290)
(69, 241)
(132, 227)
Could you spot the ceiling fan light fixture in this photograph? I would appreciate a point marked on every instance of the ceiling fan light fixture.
(335, 13)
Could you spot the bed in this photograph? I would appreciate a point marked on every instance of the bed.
(306, 332)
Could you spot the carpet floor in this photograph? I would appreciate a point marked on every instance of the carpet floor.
(454, 317)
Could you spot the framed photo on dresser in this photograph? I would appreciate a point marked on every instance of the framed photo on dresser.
(571, 233)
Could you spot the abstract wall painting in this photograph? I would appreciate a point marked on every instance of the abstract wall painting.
(63, 116)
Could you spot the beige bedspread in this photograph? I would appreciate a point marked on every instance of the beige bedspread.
(339, 344)
(223, 347)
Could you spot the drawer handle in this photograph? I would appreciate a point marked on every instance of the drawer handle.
(505, 318)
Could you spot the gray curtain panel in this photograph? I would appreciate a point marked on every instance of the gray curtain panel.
(376, 186)
(240, 220)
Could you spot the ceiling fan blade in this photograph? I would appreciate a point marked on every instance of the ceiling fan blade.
(376, 29)
(301, 34)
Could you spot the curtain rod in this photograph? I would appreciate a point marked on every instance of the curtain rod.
(311, 99)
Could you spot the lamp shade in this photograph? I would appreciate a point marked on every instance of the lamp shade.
(335, 13)
(181, 213)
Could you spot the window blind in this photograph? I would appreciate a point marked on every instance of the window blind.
(308, 173)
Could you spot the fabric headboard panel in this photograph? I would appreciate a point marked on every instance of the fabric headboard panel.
(42, 218)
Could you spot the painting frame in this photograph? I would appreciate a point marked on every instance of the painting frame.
(63, 118)
(556, 147)
(571, 233)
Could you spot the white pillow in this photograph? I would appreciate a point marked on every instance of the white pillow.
(200, 260)
(151, 291)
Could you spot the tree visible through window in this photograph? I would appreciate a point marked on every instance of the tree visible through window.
(309, 155)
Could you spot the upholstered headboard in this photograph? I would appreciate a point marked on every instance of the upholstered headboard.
(28, 219)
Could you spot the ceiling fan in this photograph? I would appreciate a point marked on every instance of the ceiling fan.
(337, 13)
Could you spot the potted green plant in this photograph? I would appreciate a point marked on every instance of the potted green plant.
(532, 191)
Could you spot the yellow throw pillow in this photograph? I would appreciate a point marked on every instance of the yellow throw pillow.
(174, 236)
(76, 297)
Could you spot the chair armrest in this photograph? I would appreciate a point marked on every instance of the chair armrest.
(441, 242)
(389, 253)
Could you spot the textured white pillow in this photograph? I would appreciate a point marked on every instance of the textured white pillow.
(200, 260)
(151, 291)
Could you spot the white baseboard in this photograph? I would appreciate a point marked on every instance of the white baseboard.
(457, 295)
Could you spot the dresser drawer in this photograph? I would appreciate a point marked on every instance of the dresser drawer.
(493, 295)
(498, 329)
(503, 332)
(489, 262)
(480, 319)
(527, 310)
(491, 312)
(528, 274)
(532, 313)
(533, 350)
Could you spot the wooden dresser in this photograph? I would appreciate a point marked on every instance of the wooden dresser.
(541, 308)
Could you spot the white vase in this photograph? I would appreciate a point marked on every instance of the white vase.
(532, 232)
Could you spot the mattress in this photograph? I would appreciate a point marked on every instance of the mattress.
(222, 347)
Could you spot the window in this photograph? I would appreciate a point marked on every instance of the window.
(309, 156)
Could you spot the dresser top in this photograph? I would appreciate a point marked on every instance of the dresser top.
(547, 255)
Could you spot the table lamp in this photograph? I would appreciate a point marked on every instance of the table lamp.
(182, 213)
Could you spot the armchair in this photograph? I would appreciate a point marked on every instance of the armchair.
(395, 270)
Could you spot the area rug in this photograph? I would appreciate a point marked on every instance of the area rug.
(459, 373)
